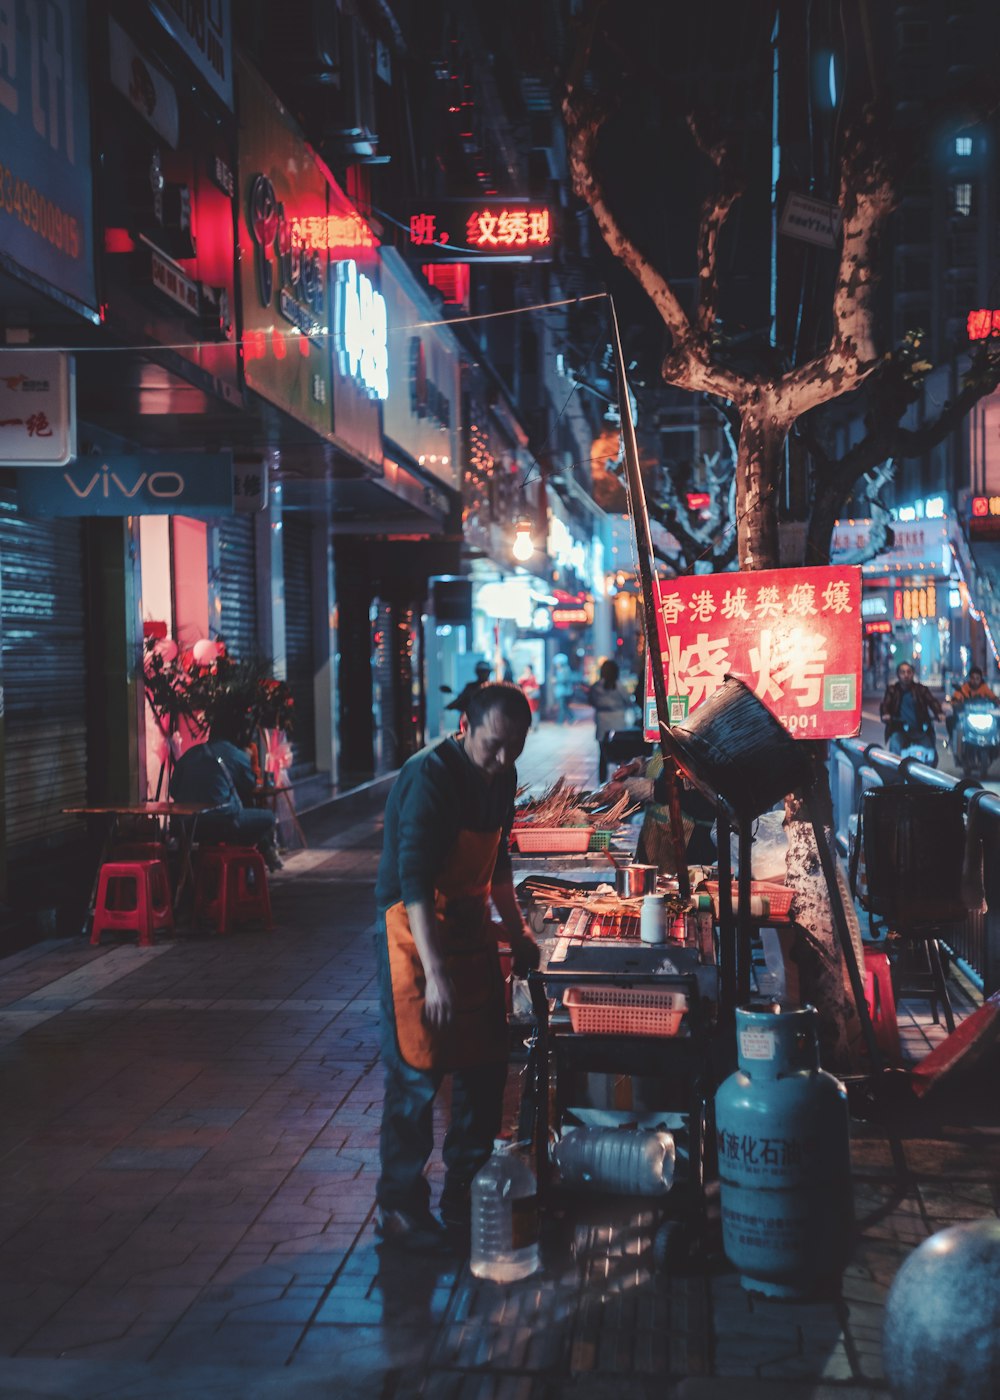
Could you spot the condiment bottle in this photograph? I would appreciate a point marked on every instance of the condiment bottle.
(653, 920)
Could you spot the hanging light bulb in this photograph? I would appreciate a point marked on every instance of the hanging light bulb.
(523, 547)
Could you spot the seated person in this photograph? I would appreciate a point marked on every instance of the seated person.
(219, 775)
(972, 688)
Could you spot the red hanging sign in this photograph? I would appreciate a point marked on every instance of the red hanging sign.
(792, 635)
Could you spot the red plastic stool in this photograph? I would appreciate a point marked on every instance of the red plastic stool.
(882, 1004)
(231, 887)
(132, 895)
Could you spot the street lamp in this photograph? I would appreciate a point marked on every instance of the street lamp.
(523, 547)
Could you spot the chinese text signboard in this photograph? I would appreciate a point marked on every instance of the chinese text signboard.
(792, 635)
(46, 201)
(491, 227)
(37, 408)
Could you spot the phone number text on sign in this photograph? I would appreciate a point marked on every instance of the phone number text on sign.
(792, 635)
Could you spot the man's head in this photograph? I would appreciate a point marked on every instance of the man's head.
(905, 673)
(975, 677)
(482, 671)
(494, 727)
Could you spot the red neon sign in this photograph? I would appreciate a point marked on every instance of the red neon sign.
(874, 629)
(698, 500)
(490, 226)
(982, 324)
(332, 231)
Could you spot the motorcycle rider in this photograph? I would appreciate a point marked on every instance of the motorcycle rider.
(907, 709)
(972, 688)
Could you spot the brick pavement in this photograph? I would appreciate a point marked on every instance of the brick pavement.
(188, 1154)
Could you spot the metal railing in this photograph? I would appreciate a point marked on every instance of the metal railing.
(854, 767)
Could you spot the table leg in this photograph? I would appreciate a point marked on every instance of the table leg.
(293, 816)
(185, 871)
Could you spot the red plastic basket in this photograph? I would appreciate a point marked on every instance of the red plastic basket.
(776, 900)
(625, 1010)
(553, 839)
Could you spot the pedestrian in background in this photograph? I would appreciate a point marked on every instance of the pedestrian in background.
(612, 707)
(461, 700)
(562, 687)
(528, 682)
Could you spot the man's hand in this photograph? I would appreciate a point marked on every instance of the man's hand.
(439, 1000)
(527, 954)
(633, 769)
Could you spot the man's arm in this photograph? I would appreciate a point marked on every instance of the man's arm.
(523, 946)
(439, 995)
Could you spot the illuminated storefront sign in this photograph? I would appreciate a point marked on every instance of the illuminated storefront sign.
(984, 518)
(577, 614)
(909, 604)
(422, 415)
(361, 331)
(493, 227)
(37, 408)
(179, 483)
(46, 186)
(878, 629)
(982, 324)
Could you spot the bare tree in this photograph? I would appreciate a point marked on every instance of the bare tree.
(764, 404)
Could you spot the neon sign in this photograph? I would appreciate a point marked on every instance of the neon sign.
(508, 228)
(497, 228)
(361, 330)
(299, 269)
(332, 232)
(982, 324)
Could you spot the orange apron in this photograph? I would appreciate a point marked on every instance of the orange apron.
(477, 1032)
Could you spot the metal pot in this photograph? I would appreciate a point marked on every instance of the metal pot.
(631, 881)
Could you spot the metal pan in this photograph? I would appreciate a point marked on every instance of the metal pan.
(632, 881)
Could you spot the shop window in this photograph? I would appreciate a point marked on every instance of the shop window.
(961, 198)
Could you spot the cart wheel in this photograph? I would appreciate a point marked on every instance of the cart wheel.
(670, 1245)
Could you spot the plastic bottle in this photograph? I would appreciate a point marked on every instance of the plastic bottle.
(631, 1161)
(653, 920)
(505, 1223)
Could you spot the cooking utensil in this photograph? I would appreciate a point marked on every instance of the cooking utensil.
(632, 881)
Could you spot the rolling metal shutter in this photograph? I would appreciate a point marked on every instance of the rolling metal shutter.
(44, 673)
(299, 651)
(238, 586)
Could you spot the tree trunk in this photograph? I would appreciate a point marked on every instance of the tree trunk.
(817, 964)
(827, 506)
(758, 471)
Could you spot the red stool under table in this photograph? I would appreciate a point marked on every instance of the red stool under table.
(132, 896)
(882, 1005)
(231, 887)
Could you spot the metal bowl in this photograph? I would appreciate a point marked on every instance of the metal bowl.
(631, 881)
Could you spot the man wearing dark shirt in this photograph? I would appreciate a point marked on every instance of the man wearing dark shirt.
(907, 708)
(444, 858)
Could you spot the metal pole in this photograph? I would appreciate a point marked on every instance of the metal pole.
(644, 555)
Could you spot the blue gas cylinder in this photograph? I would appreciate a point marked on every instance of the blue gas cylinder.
(784, 1156)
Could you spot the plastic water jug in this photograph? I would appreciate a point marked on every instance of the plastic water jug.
(629, 1161)
(505, 1223)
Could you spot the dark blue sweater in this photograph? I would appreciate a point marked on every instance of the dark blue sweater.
(438, 793)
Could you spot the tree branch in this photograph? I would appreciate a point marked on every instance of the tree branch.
(867, 198)
(714, 212)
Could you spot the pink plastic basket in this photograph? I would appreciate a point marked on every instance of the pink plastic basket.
(625, 1010)
(564, 840)
(776, 900)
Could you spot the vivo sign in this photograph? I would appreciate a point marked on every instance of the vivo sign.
(361, 331)
(165, 484)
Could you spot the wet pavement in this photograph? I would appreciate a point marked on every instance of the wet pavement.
(188, 1154)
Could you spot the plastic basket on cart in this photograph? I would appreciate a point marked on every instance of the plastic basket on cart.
(625, 1010)
(600, 841)
(767, 900)
(567, 840)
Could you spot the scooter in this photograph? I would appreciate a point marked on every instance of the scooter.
(919, 744)
(977, 737)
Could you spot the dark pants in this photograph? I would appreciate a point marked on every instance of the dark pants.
(407, 1137)
(243, 828)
